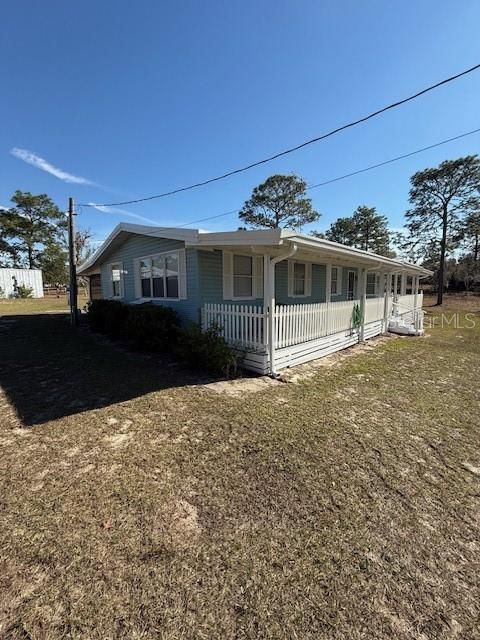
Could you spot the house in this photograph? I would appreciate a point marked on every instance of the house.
(280, 297)
(11, 279)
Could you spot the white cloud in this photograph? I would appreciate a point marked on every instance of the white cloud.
(40, 163)
(116, 211)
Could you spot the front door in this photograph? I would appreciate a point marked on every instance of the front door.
(351, 285)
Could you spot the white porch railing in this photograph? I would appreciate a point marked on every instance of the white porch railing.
(297, 323)
(242, 325)
(404, 306)
(375, 309)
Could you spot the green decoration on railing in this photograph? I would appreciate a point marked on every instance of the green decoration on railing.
(356, 316)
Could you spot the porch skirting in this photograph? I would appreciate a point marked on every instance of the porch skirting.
(306, 351)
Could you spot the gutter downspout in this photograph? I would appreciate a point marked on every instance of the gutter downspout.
(271, 305)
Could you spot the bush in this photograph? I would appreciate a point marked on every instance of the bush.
(107, 316)
(23, 291)
(207, 350)
(151, 327)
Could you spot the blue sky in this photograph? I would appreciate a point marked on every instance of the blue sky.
(142, 97)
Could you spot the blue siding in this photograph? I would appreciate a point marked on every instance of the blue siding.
(138, 246)
(205, 277)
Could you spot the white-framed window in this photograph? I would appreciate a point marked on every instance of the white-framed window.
(351, 284)
(336, 281)
(242, 276)
(373, 284)
(116, 280)
(161, 276)
(299, 279)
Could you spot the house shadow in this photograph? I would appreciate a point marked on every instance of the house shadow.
(50, 370)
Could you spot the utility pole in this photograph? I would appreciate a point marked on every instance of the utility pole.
(73, 265)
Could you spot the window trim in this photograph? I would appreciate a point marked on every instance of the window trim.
(152, 257)
(119, 265)
(253, 276)
(355, 284)
(338, 280)
(291, 279)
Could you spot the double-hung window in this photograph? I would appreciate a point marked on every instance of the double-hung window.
(335, 281)
(299, 278)
(243, 278)
(372, 284)
(116, 279)
(159, 276)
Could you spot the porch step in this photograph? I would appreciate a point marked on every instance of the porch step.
(403, 327)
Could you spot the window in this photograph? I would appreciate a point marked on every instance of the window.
(351, 285)
(335, 282)
(372, 284)
(116, 274)
(159, 276)
(242, 276)
(299, 278)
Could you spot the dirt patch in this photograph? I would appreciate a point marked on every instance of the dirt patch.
(176, 526)
(237, 387)
(118, 439)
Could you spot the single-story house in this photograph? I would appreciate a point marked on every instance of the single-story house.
(280, 297)
(11, 279)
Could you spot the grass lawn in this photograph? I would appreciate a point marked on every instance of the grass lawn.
(50, 304)
(137, 504)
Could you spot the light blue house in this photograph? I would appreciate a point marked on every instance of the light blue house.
(279, 296)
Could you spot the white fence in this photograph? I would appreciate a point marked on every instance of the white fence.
(242, 325)
(297, 323)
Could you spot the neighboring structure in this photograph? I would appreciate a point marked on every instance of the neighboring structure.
(10, 279)
(282, 298)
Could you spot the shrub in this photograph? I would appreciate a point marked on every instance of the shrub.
(151, 327)
(207, 350)
(107, 316)
(23, 291)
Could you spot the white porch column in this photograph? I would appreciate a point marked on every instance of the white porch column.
(415, 281)
(395, 287)
(271, 304)
(403, 284)
(386, 299)
(266, 299)
(328, 283)
(363, 300)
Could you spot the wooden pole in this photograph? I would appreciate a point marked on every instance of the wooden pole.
(72, 263)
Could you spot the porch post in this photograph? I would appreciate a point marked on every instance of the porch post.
(403, 284)
(363, 299)
(395, 286)
(271, 315)
(388, 288)
(266, 299)
(328, 283)
(415, 280)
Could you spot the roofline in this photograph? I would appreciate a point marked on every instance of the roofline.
(173, 233)
(336, 247)
(265, 237)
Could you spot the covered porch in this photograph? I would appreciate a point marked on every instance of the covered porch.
(273, 336)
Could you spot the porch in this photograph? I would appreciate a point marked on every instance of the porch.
(296, 333)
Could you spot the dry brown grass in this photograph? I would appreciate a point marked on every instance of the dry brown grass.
(136, 506)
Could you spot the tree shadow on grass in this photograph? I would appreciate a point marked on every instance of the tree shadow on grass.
(50, 370)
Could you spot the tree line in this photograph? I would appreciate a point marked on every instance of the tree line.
(442, 226)
(33, 235)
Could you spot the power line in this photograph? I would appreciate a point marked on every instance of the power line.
(342, 177)
(358, 171)
(381, 164)
(354, 123)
